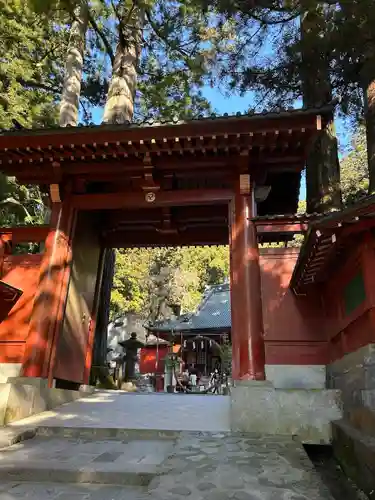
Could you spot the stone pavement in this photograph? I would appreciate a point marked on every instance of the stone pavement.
(112, 446)
(195, 466)
(118, 410)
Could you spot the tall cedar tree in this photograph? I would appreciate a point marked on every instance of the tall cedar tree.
(345, 41)
(69, 106)
(322, 167)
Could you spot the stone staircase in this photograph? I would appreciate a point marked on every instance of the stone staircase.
(103, 464)
(113, 446)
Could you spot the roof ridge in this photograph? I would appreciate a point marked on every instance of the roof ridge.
(277, 111)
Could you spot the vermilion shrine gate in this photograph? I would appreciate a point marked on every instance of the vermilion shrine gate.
(205, 182)
(303, 318)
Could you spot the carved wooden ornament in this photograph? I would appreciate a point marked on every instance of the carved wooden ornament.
(150, 197)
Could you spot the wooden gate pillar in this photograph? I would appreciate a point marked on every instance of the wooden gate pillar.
(248, 357)
(48, 308)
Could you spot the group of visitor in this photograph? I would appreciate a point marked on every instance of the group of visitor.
(189, 378)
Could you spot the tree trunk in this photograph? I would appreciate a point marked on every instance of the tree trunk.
(369, 102)
(323, 190)
(359, 12)
(100, 342)
(368, 84)
(69, 107)
(119, 107)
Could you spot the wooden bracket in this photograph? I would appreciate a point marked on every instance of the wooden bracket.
(148, 184)
(319, 125)
(166, 223)
(54, 190)
(245, 184)
(56, 169)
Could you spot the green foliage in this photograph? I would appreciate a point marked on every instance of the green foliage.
(29, 68)
(270, 57)
(354, 171)
(151, 282)
(226, 357)
(20, 204)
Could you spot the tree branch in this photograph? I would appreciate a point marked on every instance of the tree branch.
(33, 84)
(161, 36)
(102, 36)
(273, 23)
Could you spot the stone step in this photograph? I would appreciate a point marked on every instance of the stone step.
(103, 433)
(209, 466)
(70, 476)
(66, 491)
(67, 460)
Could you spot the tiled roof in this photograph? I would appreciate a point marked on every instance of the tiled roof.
(327, 236)
(149, 122)
(212, 314)
(282, 217)
(320, 218)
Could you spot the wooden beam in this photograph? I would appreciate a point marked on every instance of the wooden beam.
(189, 161)
(282, 228)
(182, 215)
(129, 200)
(25, 234)
(194, 237)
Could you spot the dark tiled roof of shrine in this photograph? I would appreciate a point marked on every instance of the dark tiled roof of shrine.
(212, 314)
(150, 122)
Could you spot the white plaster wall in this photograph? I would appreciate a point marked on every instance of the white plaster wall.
(296, 376)
(9, 370)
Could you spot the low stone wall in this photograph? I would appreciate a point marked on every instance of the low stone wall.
(354, 376)
(257, 407)
(354, 434)
(356, 453)
(296, 376)
(21, 398)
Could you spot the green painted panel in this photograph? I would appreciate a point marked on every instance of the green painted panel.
(354, 293)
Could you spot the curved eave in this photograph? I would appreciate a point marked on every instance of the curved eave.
(327, 236)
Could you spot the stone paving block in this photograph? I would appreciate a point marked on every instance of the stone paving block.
(53, 491)
(31, 490)
(73, 496)
(108, 456)
(241, 468)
